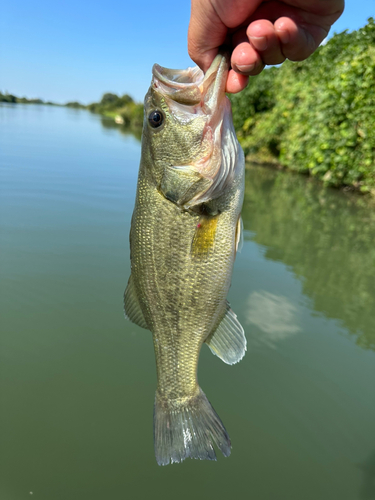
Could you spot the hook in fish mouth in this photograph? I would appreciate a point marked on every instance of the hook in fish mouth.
(190, 86)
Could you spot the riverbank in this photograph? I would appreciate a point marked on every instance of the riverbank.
(316, 117)
(268, 163)
(122, 109)
(13, 99)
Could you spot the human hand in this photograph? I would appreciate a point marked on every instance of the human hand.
(258, 32)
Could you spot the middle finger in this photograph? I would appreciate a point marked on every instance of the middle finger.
(263, 38)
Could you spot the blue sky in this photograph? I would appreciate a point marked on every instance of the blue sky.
(76, 50)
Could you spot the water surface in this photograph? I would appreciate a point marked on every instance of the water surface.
(78, 381)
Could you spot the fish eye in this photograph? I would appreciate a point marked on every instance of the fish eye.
(155, 118)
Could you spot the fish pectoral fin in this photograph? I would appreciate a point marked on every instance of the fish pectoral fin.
(132, 307)
(228, 341)
(239, 234)
(181, 184)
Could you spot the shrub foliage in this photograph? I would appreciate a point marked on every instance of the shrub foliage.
(316, 116)
(124, 106)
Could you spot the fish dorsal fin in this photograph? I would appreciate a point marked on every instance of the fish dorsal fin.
(132, 308)
(228, 341)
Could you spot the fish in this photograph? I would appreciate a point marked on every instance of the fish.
(185, 232)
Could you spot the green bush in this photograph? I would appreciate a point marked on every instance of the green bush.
(112, 105)
(74, 104)
(7, 98)
(316, 116)
(132, 114)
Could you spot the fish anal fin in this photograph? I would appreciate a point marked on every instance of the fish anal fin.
(228, 341)
(132, 307)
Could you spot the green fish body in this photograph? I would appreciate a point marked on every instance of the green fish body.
(184, 236)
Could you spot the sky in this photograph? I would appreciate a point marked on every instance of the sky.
(75, 50)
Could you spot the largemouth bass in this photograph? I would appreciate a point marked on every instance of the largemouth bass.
(184, 235)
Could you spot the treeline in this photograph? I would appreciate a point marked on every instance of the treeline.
(22, 100)
(316, 116)
(122, 108)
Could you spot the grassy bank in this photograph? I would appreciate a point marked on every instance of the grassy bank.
(122, 109)
(317, 116)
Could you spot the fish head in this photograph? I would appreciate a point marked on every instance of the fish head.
(187, 117)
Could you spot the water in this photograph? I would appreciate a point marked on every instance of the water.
(78, 381)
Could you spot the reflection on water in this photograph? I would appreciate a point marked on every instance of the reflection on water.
(78, 381)
(274, 314)
(325, 237)
(109, 123)
(368, 486)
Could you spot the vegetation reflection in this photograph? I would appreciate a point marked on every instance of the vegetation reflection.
(108, 122)
(325, 236)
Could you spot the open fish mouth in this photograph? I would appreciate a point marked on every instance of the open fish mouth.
(191, 86)
(178, 78)
(187, 95)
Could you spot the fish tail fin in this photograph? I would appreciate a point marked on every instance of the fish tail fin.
(187, 428)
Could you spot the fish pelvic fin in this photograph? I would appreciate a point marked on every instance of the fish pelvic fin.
(187, 428)
(228, 341)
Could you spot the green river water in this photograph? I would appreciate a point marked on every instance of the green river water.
(78, 380)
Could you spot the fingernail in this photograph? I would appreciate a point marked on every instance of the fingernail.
(245, 68)
(284, 36)
(260, 42)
